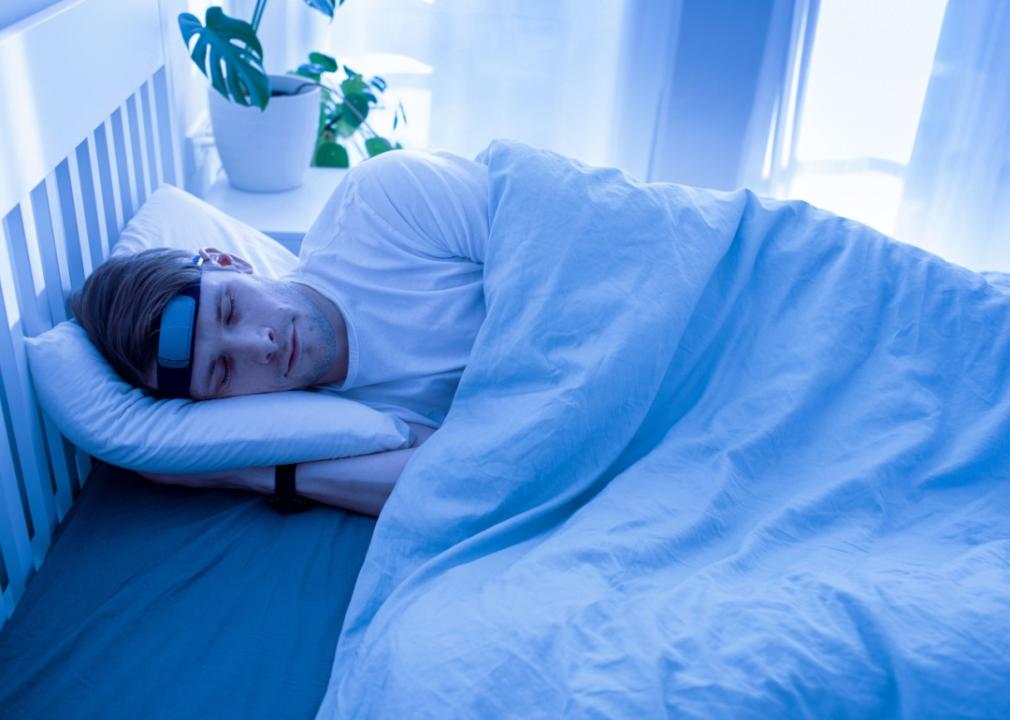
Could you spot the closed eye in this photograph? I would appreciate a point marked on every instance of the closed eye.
(229, 319)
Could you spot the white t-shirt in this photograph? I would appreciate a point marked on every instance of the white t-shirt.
(399, 248)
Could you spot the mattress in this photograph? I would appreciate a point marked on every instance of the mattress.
(160, 601)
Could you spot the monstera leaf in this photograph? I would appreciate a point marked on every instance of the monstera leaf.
(323, 6)
(231, 51)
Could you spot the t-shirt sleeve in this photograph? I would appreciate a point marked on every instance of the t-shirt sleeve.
(431, 202)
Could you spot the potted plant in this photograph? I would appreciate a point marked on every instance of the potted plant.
(268, 128)
(344, 112)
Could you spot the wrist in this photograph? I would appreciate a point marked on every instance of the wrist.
(286, 499)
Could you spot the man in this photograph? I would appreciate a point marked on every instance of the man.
(383, 308)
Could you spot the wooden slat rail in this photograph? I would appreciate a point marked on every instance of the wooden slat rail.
(77, 158)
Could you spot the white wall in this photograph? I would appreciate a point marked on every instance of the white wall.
(200, 165)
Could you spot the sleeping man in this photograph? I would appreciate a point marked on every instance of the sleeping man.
(383, 307)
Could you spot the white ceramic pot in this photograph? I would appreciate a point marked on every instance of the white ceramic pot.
(267, 150)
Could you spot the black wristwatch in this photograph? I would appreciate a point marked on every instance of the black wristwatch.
(285, 500)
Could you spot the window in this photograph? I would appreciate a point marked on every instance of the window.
(868, 71)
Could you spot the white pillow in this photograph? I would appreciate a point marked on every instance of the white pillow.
(173, 218)
(118, 423)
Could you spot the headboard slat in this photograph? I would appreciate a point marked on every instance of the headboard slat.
(12, 484)
(124, 166)
(166, 130)
(44, 242)
(62, 469)
(136, 133)
(15, 533)
(22, 274)
(111, 206)
(87, 178)
(153, 164)
(18, 527)
(69, 250)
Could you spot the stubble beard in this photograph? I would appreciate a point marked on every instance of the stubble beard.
(316, 337)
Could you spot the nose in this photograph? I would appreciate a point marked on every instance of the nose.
(260, 346)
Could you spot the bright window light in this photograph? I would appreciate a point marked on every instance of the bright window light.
(869, 69)
(382, 64)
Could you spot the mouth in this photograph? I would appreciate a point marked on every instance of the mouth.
(293, 358)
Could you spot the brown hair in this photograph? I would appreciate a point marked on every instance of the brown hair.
(121, 303)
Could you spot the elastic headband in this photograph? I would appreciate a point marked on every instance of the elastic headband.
(175, 340)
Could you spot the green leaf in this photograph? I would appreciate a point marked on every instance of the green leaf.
(310, 71)
(353, 85)
(377, 145)
(331, 154)
(324, 61)
(355, 110)
(230, 51)
(323, 6)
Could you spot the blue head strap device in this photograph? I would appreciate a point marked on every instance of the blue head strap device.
(175, 340)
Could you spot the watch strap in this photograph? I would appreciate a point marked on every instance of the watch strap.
(285, 499)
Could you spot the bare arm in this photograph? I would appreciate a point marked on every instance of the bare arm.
(361, 483)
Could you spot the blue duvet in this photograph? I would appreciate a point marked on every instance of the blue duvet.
(713, 456)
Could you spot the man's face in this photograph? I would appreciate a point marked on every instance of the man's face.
(256, 335)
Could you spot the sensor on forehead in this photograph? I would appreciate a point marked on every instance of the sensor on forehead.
(175, 340)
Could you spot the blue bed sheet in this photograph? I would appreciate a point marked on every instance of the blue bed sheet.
(713, 455)
(168, 602)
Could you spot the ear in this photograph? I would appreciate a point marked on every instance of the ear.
(220, 259)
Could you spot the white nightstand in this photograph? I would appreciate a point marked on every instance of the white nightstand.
(284, 216)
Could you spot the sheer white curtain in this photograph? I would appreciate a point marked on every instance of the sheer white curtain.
(548, 73)
(956, 198)
(904, 124)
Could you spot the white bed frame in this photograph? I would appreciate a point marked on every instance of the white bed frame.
(86, 134)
